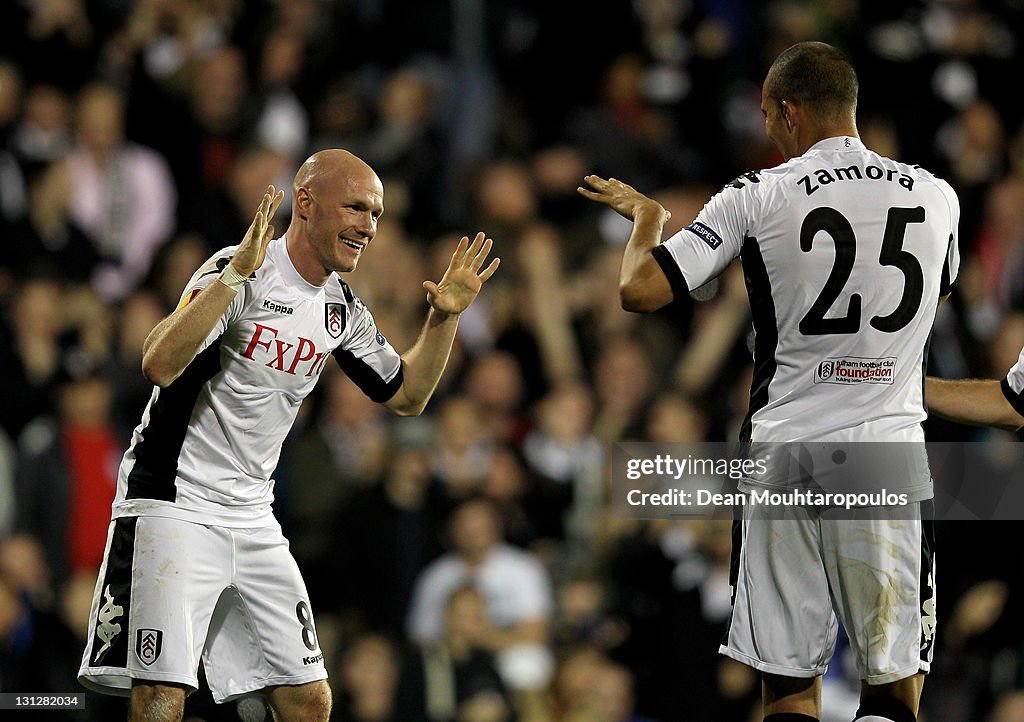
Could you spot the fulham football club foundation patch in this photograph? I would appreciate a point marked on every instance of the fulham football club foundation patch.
(334, 319)
(148, 645)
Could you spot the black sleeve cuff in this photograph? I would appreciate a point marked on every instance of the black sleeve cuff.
(671, 271)
(1013, 397)
(376, 388)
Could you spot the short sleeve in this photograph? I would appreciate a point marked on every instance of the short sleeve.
(366, 357)
(1013, 385)
(703, 249)
(207, 274)
(951, 266)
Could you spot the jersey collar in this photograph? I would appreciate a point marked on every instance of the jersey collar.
(839, 142)
(289, 274)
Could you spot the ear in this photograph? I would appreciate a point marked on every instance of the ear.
(302, 202)
(787, 114)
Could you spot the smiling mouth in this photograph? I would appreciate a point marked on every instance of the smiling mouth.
(353, 244)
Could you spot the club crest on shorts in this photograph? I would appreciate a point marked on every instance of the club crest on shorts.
(334, 319)
(148, 645)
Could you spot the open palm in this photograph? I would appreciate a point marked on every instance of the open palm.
(463, 279)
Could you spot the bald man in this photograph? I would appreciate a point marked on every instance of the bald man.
(196, 567)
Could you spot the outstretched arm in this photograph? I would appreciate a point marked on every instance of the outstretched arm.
(971, 401)
(423, 364)
(175, 341)
(643, 286)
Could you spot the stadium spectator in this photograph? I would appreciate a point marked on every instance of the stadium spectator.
(514, 585)
(48, 239)
(398, 518)
(455, 677)
(122, 194)
(68, 475)
(367, 676)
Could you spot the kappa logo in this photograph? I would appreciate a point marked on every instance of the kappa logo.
(277, 307)
(107, 629)
(148, 645)
(380, 339)
(928, 616)
(334, 319)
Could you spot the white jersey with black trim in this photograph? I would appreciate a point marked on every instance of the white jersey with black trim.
(1013, 384)
(209, 442)
(845, 254)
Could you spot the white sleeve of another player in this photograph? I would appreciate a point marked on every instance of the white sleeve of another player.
(702, 250)
(951, 269)
(1013, 385)
(207, 274)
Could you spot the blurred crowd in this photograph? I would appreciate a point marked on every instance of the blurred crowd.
(464, 566)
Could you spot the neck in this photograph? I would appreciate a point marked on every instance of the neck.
(815, 135)
(301, 254)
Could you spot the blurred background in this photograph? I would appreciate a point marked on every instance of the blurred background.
(136, 137)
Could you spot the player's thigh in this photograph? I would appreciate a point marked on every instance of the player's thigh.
(881, 569)
(263, 633)
(154, 600)
(309, 702)
(782, 621)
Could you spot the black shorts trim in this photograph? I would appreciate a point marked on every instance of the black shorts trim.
(926, 585)
(115, 599)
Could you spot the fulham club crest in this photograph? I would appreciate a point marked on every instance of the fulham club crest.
(148, 645)
(334, 319)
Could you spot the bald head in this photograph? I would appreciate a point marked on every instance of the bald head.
(333, 165)
(816, 76)
(336, 203)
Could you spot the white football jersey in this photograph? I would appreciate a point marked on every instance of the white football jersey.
(1013, 384)
(209, 442)
(845, 254)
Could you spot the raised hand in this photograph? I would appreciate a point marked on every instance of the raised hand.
(622, 198)
(463, 279)
(253, 249)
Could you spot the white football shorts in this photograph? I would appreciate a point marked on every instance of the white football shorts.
(171, 592)
(792, 577)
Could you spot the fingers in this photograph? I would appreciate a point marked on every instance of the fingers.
(431, 288)
(460, 252)
(474, 249)
(275, 203)
(468, 254)
(489, 271)
(600, 198)
(481, 255)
